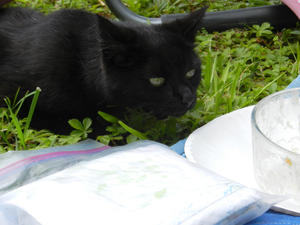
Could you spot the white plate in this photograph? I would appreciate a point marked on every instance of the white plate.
(224, 146)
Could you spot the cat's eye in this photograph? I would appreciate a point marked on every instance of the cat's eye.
(157, 81)
(190, 73)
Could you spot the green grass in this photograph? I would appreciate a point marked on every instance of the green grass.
(15, 133)
(240, 66)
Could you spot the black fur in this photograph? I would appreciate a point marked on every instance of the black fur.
(84, 63)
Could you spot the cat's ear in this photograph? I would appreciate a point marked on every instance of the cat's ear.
(117, 42)
(187, 25)
(113, 32)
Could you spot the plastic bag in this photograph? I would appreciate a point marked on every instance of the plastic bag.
(21, 167)
(140, 183)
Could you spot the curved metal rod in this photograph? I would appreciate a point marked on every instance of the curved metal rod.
(279, 16)
(123, 13)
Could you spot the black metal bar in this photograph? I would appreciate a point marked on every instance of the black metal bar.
(123, 13)
(279, 16)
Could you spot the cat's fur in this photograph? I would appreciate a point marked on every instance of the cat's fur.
(84, 63)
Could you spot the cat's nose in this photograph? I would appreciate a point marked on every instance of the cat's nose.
(187, 96)
(189, 101)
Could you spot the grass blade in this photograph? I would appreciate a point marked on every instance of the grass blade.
(268, 85)
(32, 108)
(16, 123)
(133, 131)
(108, 117)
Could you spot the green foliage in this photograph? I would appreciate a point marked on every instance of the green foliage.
(155, 8)
(15, 132)
(118, 130)
(82, 129)
(151, 8)
(14, 108)
(265, 30)
(47, 6)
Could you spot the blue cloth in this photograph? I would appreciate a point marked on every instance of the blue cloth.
(295, 83)
(270, 217)
(179, 147)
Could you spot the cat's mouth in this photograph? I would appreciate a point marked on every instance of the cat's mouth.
(164, 115)
(162, 112)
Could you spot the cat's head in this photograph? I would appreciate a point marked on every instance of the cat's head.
(151, 66)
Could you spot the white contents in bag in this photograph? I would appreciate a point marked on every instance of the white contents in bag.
(141, 183)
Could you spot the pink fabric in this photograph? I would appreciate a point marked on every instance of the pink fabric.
(294, 5)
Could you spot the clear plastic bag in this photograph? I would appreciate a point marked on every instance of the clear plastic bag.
(140, 183)
(21, 167)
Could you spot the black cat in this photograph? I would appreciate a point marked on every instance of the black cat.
(83, 63)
